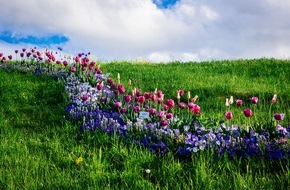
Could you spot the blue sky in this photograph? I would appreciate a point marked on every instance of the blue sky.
(152, 30)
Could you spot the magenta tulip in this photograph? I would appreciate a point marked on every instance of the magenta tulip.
(279, 116)
(170, 103)
(182, 105)
(239, 102)
(152, 111)
(254, 100)
(229, 115)
(248, 112)
(118, 104)
(136, 109)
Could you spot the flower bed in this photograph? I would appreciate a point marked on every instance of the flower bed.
(147, 119)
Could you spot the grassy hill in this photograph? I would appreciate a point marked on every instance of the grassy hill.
(42, 149)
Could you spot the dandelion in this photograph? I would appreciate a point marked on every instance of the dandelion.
(79, 160)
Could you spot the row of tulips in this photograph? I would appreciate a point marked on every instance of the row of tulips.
(160, 124)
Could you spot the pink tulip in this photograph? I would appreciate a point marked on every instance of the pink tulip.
(166, 107)
(123, 110)
(161, 114)
(99, 86)
(239, 102)
(181, 92)
(248, 112)
(136, 109)
(254, 100)
(73, 69)
(182, 105)
(10, 57)
(65, 63)
(195, 109)
(170, 103)
(1, 54)
(152, 111)
(229, 115)
(154, 98)
(279, 116)
(118, 104)
(160, 100)
(85, 97)
(164, 123)
(274, 99)
(190, 105)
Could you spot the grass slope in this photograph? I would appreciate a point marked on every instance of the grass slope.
(39, 146)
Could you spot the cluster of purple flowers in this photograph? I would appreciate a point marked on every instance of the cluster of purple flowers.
(161, 139)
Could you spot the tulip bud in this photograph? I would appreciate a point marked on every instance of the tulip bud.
(118, 77)
(188, 95)
(129, 82)
(227, 103)
(178, 95)
(195, 98)
(274, 99)
(231, 100)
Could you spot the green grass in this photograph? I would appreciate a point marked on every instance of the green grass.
(39, 146)
(215, 81)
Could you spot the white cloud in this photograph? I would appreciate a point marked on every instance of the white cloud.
(128, 29)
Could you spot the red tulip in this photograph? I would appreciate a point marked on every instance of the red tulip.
(128, 98)
(16, 51)
(229, 115)
(248, 112)
(1, 54)
(10, 57)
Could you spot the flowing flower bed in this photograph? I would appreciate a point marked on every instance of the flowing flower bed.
(147, 118)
